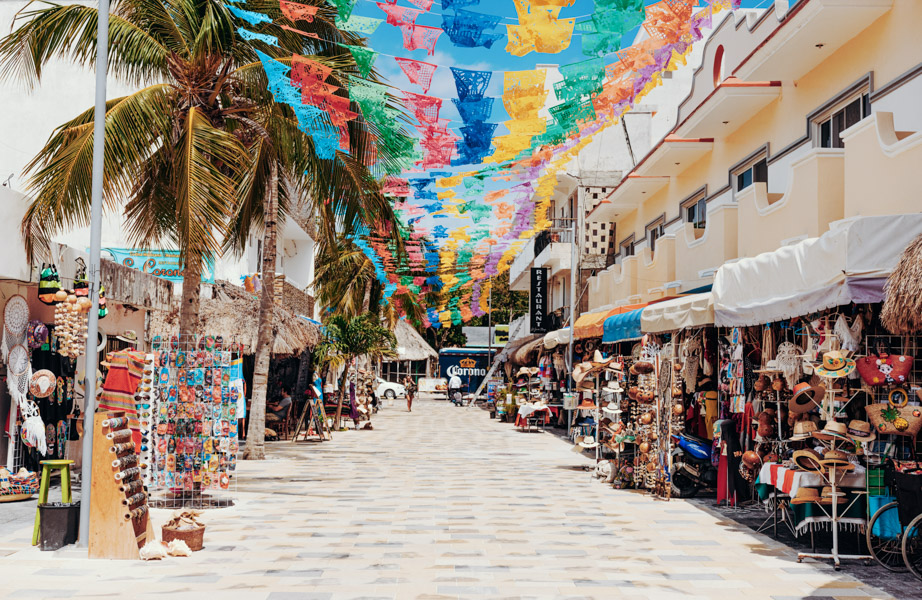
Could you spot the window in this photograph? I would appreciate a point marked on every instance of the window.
(695, 211)
(828, 127)
(627, 247)
(756, 172)
(654, 232)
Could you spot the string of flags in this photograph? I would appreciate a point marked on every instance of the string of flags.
(456, 234)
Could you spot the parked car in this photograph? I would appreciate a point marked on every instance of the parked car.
(386, 389)
(433, 385)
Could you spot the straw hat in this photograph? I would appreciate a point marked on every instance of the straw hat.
(42, 383)
(589, 442)
(613, 410)
(129, 336)
(614, 387)
(586, 404)
(580, 371)
(805, 397)
(826, 497)
(861, 431)
(835, 364)
(833, 431)
(600, 363)
(836, 459)
(805, 495)
(522, 371)
(803, 430)
(533, 371)
(808, 460)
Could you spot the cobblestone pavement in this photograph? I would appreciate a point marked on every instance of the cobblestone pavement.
(438, 503)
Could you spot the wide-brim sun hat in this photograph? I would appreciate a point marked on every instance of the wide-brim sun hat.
(806, 495)
(808, 460)
(835, 364)
(589, 442)
(833, 431)
(806, 397)
(861, 431)
(802, 430)
(837, 459)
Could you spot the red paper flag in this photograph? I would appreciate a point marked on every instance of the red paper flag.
(298, 12)
(417, 71)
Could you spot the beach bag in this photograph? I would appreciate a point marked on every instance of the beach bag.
(884, 369)
(49, 284)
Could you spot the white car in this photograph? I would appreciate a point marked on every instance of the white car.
(386, 389)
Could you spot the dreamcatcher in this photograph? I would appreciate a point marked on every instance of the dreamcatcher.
(15, 322)
(790, 362)
(20, 373)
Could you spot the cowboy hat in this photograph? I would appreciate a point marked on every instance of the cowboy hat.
(533, 371)
(586, 404)
(613, 386)
(837, 459)
(600, 363)
(835, 364)
(805, 397)
(581, 370)
(802, 431)
(522, 371)
(861, 431)
(833, 430)
(807, 460)
(805, 495)
(612, 409)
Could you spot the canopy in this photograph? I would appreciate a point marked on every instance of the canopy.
(411, 345)
(849, 263)
(694, 310)
(556, 338)
(591, 324)
(625, 326)
(522, 355)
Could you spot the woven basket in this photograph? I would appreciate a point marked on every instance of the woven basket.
(194, 538)
(912, 414)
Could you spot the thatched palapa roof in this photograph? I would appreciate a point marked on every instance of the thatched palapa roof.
(411, 345)
(902, 312)
(234, 314)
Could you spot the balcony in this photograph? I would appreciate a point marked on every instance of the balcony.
(553, 247)
(615, 286)
(674, 155)
(656, 269)
(813, 199)
(519, 272)
(629, 194)
(731, 104)
(811, 32)
(699, 252)
(881, 163)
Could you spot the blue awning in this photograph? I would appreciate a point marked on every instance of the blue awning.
(619, 328)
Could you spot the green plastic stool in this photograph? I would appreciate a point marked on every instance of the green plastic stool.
(47, 467)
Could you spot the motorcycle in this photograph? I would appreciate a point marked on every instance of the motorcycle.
(692, 469)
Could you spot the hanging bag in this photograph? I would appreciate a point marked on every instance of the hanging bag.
(49, 284)
(884, 368)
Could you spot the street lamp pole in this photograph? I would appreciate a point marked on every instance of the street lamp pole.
(92, 354)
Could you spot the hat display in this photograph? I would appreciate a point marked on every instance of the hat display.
(808, 460)
(805, 397)
(803, 430)
(827, 497)
(805, 495)
(43, 383)
(837, 459)
(833, 431)
(522, 371)
(861, 431)
(835, 364)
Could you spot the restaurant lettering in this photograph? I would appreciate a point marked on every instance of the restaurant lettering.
(538, 300)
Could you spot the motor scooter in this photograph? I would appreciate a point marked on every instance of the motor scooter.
(691, 466)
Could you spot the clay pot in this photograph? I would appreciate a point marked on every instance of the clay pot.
(653, 436)
(646, 418)
(677, 409)
(766, 420)
(751, 459)
(643, 367)
(778, 383)
(677, 391)
(644, 447)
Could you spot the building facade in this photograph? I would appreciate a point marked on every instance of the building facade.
(798, 116)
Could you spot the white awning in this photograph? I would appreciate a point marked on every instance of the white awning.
(694, 310)
(849, 263)
(556, 338)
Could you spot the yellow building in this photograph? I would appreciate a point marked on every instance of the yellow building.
(799, 116)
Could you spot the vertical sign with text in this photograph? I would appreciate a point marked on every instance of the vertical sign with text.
(538, 300)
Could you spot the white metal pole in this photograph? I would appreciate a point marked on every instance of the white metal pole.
(92, 356)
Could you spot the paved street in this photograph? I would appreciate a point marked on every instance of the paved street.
(439, 503)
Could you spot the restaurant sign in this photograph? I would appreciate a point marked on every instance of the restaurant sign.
(160, 263)
(538, 300)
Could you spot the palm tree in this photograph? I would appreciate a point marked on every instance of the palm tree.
(188, 154)
(200, 149)
(345, 339)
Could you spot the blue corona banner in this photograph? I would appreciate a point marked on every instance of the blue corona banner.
(161, 263)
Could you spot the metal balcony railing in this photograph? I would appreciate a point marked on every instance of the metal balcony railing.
(560, 232)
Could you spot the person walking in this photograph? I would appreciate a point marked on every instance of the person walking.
(410, 387)
(454, 390)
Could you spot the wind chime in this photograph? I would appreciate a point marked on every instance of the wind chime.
(70, 323)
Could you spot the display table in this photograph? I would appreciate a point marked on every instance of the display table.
(540, 414)
(805, 517)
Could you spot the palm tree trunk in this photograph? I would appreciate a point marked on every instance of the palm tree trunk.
(189, 321)
(256, 431)
(342, 396)
(366, 300)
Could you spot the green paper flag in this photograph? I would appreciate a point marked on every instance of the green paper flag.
(364, 58)
(344, 7)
